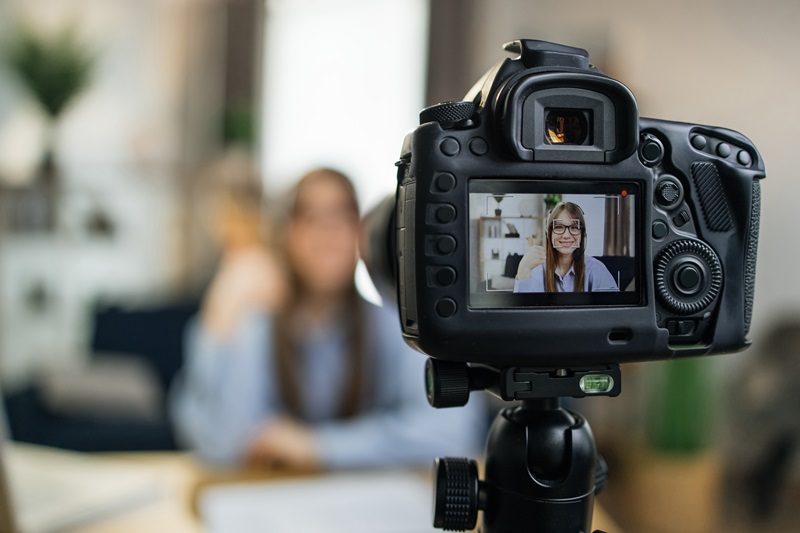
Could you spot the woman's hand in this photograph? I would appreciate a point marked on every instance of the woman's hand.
(248, 279)
(534, 256)
(284, 443)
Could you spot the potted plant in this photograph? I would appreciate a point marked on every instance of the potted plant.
(677, 473)
(54, 69)
(550, 201)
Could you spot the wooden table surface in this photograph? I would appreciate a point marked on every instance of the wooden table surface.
(181, 477)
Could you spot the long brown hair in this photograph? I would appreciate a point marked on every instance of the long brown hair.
(551, 258)
(351, 315)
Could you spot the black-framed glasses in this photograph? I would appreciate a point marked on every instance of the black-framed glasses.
(559, 227)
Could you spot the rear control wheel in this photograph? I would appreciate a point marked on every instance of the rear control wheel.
(688, 276)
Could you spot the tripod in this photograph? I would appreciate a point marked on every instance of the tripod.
(542, 469)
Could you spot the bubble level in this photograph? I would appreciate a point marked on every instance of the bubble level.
(596, 383)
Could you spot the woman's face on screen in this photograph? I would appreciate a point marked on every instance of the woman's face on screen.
(565, 233)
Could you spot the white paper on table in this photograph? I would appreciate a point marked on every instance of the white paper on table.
(385, 502)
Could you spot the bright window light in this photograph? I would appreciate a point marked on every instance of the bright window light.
(343, 83)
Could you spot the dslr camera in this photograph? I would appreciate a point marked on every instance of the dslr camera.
(544, 233)
(663, 240)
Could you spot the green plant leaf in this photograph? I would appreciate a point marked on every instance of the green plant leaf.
(53, 68)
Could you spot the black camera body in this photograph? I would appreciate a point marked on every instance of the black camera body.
(669, 210)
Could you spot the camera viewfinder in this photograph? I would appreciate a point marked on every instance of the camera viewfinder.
(567, 126)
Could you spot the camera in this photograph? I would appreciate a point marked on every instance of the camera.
(542, 233)
(661, 222)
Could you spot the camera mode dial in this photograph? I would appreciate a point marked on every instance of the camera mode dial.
(688, 276)
(447, 114)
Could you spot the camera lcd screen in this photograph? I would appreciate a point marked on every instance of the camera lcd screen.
(536, 243)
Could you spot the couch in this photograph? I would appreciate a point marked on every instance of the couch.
(134, 356)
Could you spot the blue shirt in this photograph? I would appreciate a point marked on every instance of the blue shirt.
(227, 391)
(596, 277)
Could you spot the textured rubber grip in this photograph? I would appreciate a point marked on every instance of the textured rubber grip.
(713, 202)
(750, 259)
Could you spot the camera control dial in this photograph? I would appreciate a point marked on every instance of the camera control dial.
(688, 276)
(447, 114)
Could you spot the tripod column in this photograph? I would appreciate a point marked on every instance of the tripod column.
(540, 471)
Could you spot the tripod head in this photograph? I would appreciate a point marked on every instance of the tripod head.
(542, 466)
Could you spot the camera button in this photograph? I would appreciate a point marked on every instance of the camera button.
(444, 182)
(681, 327)
(681, 218)
(723, 149)
(744, 158)
(651, 152)
(668, 192)
(688, 279)
(449, 146)
(699, 142)
(445, 276)
(660, 229)
(445, 213)
(437, 245)
(446, 307)
(478, 146)
(445, 245)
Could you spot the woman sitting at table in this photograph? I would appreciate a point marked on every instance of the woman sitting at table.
(288, 366)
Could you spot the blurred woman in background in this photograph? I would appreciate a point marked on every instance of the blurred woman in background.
(288, 366)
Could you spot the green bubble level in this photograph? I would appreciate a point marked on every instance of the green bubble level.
(596, 383)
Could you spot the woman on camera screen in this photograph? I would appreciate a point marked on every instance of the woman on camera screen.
(563, 266)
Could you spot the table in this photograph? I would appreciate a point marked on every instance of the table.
(178, 475)
(181, 477)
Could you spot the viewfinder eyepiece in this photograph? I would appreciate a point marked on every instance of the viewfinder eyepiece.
(566, 126)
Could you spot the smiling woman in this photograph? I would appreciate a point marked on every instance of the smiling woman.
(564, 265)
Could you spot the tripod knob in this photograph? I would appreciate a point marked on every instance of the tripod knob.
(456, 490)
(447, 383)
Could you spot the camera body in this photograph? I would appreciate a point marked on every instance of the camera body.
(668, 211)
